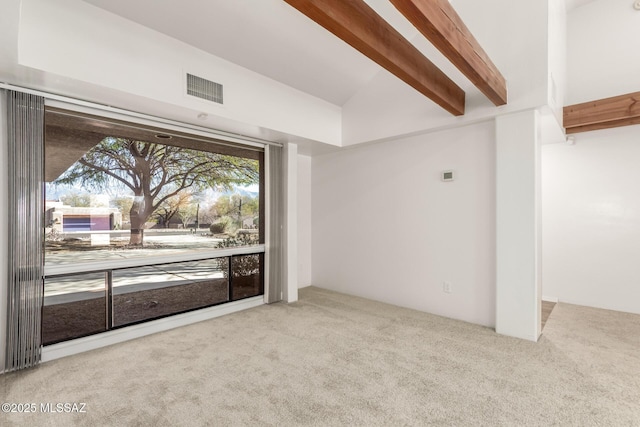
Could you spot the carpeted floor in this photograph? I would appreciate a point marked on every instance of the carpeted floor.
(547, 308)
(334, 360)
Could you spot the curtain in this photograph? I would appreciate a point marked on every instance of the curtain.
(275, 243)
(25, 136)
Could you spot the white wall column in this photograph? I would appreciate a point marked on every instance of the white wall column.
(290, 289)
(304, 221)
(518, 219)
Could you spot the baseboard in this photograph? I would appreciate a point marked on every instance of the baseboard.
(80, 345)
(549, 299)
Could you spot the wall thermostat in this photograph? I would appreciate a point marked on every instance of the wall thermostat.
(447, 175)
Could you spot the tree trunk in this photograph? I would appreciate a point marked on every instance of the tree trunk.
(137, 230)
(138, 219)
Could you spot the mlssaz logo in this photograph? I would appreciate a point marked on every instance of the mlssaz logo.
(64, 407)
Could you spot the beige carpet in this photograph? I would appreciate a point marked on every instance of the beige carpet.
(336, 360)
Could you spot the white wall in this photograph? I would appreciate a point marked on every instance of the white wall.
(386, 227)
(591, 220)
(591, 204)
(518, 219)
(304, 221)
(603, 42)
(9, 19)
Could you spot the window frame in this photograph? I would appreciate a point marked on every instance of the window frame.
(200, 134)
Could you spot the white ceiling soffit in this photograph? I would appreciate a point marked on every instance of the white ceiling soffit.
(266, 36)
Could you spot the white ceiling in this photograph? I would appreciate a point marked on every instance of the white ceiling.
(272, 38)
(572, 4)
(266, 36)
(275, 40)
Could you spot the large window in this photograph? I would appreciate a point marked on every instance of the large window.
(142, 223)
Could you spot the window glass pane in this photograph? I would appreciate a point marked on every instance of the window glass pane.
(246, 276)
(115, 192)
(156, 291)
(74, 306)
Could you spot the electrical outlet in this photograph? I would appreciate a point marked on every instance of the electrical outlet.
(446, 287)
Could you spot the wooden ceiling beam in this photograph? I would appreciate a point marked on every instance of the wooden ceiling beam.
(438, 21)
(360, 26)
(623, 110)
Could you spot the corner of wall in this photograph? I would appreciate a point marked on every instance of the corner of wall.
(304, 221)
(290, 290)
(557, 57)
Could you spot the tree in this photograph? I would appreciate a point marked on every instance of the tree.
(154, 173)
(77, 199)
(171, 206)
(123, 203)
(188, 214)
(237, 206)
(208, 213)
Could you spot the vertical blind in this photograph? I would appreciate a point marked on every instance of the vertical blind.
(275, 249)
(25, 125)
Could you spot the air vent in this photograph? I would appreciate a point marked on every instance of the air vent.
(203, 88)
